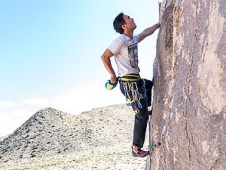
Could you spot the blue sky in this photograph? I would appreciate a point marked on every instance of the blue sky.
(50, 54)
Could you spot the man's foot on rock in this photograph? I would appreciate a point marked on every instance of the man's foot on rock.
(137, 152)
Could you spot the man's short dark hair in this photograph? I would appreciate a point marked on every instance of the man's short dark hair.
(118, 22)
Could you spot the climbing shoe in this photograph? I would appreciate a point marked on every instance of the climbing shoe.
(139, 153)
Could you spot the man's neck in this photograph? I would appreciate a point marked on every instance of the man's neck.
(129, 34)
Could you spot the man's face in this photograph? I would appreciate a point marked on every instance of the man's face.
(130, 24)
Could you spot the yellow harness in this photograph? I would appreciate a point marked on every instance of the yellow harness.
(130, 77)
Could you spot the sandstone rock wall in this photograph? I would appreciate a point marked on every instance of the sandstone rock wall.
(189, 106)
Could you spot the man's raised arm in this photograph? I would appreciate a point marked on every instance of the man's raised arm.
(148, 31)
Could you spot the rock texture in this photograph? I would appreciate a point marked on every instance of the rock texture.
(189, 106)
(51, 139)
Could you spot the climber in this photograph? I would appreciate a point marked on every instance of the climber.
(136, 90)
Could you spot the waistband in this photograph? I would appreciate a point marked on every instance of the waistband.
(130, 77)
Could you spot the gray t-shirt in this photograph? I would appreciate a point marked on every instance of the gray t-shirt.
(125, 52)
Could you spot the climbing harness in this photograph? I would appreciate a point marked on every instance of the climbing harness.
(130, 86)
(130, 77)
(131, 93)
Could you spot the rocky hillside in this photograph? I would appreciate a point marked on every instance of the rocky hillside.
(85, 140)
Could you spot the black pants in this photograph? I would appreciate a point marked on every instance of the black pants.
(141, 113)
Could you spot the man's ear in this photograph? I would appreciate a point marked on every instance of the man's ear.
(123, 26)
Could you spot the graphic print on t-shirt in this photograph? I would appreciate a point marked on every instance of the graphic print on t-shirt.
(133, 55)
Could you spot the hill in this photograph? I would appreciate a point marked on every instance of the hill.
(97, 139)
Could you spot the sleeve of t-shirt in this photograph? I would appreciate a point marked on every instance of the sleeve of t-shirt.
(136, 38)
(115, 46)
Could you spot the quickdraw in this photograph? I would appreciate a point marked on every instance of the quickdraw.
(132, 93)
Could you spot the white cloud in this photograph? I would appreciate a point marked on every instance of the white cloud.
(84, 98)
(35, 101)
(74, 101)
(7, 104)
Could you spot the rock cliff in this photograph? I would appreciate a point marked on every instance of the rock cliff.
(189, 105)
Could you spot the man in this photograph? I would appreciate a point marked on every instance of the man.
(136, 90)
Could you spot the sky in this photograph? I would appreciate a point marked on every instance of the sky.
(50, 54)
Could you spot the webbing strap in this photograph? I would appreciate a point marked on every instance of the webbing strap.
(130, 77)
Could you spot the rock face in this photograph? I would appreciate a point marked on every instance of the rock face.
(189, 106)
